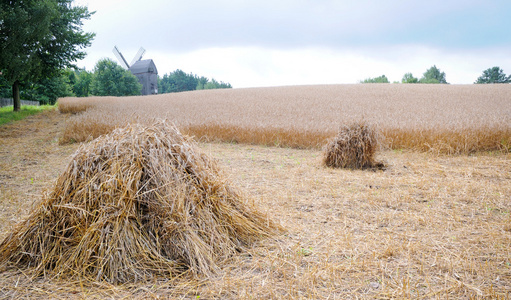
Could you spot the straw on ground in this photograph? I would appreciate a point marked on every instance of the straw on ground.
(140, 202)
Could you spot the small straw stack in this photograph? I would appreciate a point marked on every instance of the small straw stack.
(140, 202)
(353, 148)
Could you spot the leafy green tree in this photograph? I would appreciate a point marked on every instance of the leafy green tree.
(5, 88)
(177, 81)
(70, 74)
(213, 84)
(82, 85)
(202, 82)
(429, 80)
(408, 78)
(45, 90)
(161, 88)
(493, 75)
(39, 38)
(48, 90)
(110, 79)
(380, 79)
(433, 75)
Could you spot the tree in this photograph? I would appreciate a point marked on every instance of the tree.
(213, 84)
(38, 39)
(408, 78)
(48, 90)
(82, 85)
(5, 88)
(202, 82)
(45, 90)
(433, 75)
(178, 81)
(493, 75)
(110, 79)
(381, 79)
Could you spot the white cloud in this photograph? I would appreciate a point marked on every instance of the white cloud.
(257, 66)
(254, 66)
(267, 43)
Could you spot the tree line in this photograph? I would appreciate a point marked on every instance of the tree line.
(106, 79)
(110, 79)
(179, 81)
(434, 75)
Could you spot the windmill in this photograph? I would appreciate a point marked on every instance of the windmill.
(145, 70)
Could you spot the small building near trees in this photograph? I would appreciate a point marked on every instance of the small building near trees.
(147, 74)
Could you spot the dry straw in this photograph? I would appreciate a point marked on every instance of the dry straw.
(353, 148)
(137, 203)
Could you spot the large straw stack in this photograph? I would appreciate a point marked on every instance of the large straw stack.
(135, 204)
(353, 148)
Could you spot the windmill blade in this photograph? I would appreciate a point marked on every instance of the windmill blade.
(121, 58)
(138, 56)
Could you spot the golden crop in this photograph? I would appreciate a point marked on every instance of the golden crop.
(449, 119)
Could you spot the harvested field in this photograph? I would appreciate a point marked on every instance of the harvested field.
(429, 227)
(140, 202)
(450, 119)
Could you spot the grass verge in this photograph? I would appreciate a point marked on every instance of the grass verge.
(7, 115)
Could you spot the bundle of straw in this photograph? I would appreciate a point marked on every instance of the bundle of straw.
(353, 148)
(137, 203)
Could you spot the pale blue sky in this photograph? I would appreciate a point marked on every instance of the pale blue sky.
(269, 42)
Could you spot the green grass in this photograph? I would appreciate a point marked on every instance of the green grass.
(7, 115)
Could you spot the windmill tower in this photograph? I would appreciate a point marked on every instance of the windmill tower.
(145, 70)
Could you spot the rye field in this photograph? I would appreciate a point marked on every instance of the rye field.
(435, 223)
(451, 119)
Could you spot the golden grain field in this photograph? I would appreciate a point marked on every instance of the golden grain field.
(449, 119)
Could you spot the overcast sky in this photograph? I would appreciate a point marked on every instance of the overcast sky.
(282, 42)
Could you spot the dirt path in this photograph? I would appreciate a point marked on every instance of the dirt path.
(30, 160)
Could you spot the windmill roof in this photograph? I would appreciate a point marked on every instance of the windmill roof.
(144, 66)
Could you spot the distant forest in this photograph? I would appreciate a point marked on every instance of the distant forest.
(179, 81)
(107, 79)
